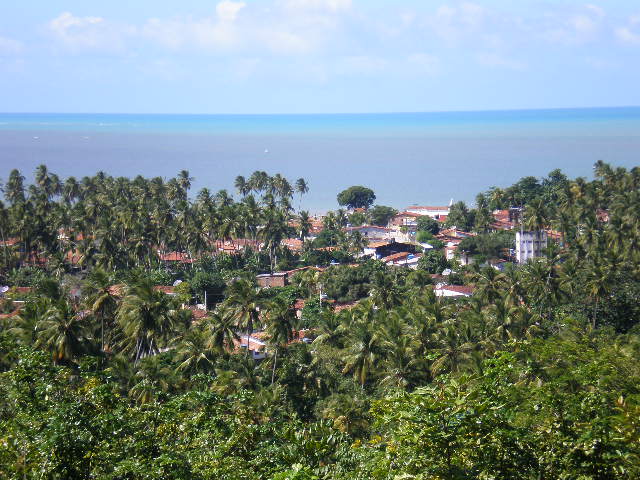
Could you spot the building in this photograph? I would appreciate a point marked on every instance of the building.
(380, 250)
(403, 259)
(434, 212)
(373, 231)
(275, 279)
(175, 257)
(404, 219)
(281, 279)
(530, 245)
(453, 232)
(453, 291)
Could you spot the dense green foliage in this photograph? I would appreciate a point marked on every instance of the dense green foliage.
(535, 376)
(380, 215)
(356, 197)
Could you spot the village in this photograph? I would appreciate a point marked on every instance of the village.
(396, 245)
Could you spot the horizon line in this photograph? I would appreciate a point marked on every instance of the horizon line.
(406, 112)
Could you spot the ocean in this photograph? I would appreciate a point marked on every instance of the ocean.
(406, 158)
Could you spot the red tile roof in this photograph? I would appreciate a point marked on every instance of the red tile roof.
(168, 289)
(377, 244)
(9, 242)
(338, 307)
(117, 290)
(396, 256)
(197, 313)
(463, 289)
(22, 290)
(294, 244)
(181, 257)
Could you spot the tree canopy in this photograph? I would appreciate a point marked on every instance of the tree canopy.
(356, 197)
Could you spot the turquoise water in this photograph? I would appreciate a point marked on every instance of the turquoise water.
(557, 122)
(406, 157)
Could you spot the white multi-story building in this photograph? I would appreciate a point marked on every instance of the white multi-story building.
(433, 212)
(530, 245)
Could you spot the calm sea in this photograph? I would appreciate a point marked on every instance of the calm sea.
(406, 158)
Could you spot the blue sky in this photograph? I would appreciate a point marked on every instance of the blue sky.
(305, 56)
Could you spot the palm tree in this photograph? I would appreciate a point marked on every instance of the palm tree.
(221, 325)
(455, 350)
(365, 351)
(195, 351)
(62, 331)
(99, 298)
(274, 230)
(489, 284)
(25, 324)
(399, 343)
(245, 303)
(14, 189)
(329, 329)
(305, 224)
(280, 319)
(184, 182)
(242, 186)
(151, 378)
(145, 319)
(301, 187)
(598, 285)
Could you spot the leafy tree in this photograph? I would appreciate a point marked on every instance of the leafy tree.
(356, 197)
(427, 224)
(380, 215)
(460, 217)
(433, 261)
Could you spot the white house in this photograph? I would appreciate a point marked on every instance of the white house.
(453, 291)
(530, 245)
(432, 211)
(373, 231)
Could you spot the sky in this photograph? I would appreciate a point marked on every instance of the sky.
(316, 56)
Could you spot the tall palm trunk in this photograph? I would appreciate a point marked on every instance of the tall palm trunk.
(275, 362)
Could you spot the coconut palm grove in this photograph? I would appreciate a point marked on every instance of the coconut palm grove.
(137, 343)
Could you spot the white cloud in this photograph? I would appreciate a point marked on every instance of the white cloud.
(454, 23)
(628, 34)
(495, 60)
(88, 33)
(227, 10)
(578, 28)
(599, 11)
(326, 5)
(205, 33)
(9, 46)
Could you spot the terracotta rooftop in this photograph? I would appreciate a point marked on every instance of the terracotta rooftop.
(463, 289)
(377, 244)
(168, 289)
(9, 242)
(396, 256)
(181, 257)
